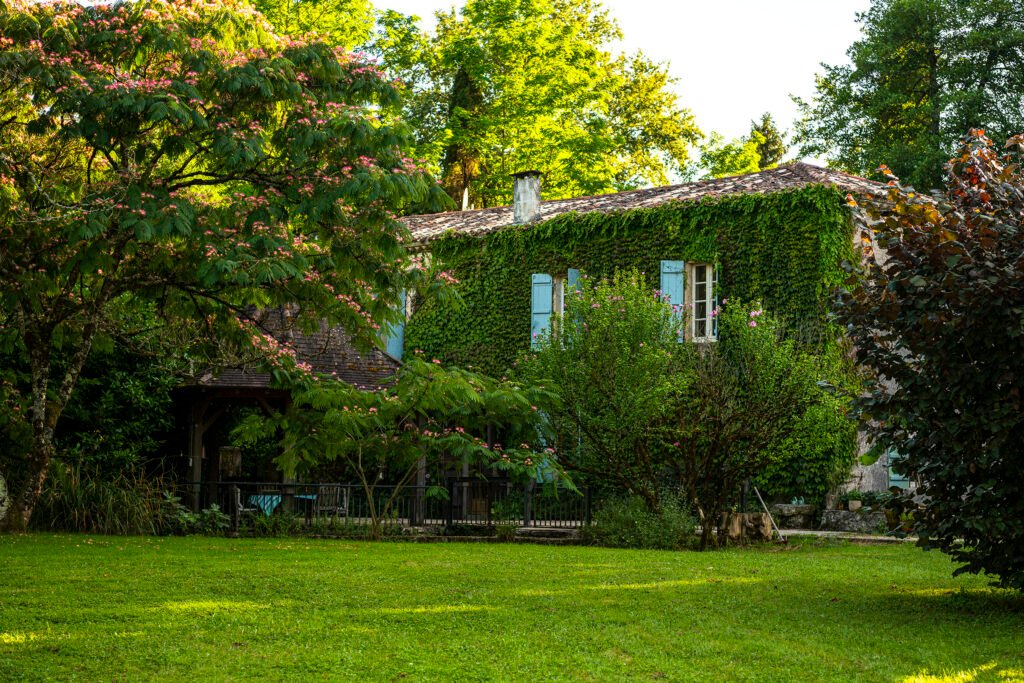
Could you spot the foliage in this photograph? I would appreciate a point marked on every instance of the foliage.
(613, 363)
(816, 457)
(783, 249)
(720, 158)
(182, 154)
(939, 317)
(503, 86)
(120, 412)
(80, 497)
(218, 609)
(208, 522)
(629, 523)
(637, 407)
(428, 415)
(771, 150)
(923, 72)
(742, 395)
(347, 23)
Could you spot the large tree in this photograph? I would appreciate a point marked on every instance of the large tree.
(509, 85)
(347, 23)
(183, 154)
(922, 74)
(939, 315)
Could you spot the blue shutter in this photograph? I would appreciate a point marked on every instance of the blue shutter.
(541, 308)
(673, 284)
(396, 332)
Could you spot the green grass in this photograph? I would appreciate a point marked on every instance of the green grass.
(108, 608)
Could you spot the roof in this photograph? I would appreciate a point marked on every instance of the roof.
(329, 351)
(427, 227)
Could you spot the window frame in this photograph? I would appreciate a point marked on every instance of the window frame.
(710, 302)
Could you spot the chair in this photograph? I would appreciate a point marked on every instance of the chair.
(240, 507)
(332, 501)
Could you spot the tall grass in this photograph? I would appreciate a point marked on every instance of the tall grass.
(79, 497)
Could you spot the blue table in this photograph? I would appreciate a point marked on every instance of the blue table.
(268, 502)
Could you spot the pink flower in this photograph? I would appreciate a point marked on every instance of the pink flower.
(753, 323)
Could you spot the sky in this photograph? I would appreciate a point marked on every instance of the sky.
(733, 59)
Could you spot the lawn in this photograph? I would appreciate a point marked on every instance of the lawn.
(106, 608)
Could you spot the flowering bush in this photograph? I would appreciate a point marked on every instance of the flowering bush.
(636, 408)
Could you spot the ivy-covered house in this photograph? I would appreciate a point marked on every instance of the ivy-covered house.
(778, 237)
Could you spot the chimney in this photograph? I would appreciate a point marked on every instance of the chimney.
(526, 197)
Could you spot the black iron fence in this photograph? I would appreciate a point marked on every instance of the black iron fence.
(456, 502)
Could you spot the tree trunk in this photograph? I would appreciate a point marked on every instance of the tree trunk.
(46, 409)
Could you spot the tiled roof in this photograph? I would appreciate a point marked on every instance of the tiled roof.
(428, 227)
(328, 351)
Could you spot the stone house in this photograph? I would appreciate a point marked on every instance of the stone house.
(777, 236)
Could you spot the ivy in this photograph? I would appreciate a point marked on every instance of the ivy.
(784, 249)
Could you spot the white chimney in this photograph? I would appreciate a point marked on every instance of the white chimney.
(526, 197)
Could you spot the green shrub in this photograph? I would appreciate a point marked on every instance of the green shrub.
(628, 523)
(79, 498)
(281, 524)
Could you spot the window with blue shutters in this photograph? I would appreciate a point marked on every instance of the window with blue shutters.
(542, 306)
(395, 340)
(548, 300)
(673, 286)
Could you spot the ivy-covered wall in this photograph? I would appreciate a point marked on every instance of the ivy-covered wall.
(784, 249)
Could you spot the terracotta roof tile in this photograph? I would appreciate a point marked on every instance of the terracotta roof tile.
(429, 227)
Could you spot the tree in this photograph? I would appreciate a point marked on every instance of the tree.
(748, 394)
(181, 154)
(638, 409)
(428, 417)
(938, 315)
(924, 72)
(720, 158)
(509, 85)
(773, 148)
(612, 365)
(345, 23)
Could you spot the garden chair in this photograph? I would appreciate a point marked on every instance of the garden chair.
(241, 508)
(332, 501)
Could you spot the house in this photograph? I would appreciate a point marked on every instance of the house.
(778, 236)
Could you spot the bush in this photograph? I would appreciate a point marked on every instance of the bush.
(938, 314)
(78, 498)
(627, 522)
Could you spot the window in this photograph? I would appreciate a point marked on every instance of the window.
(896, 480)
(700, 281)
(704, 318)
(548, 300)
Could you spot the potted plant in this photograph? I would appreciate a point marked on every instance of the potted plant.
(854, 499)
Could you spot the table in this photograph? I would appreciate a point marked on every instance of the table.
(268, 502)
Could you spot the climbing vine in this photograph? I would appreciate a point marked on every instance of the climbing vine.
(784, 249)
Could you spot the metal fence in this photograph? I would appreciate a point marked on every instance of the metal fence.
(456, 502)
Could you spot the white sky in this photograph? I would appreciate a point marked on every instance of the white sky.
(734, 59)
